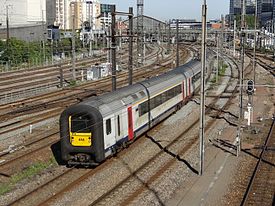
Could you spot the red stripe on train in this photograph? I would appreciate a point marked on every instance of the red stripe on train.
(130, 124)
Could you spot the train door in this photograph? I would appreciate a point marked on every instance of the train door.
(130, 123)
(119, 126)
(109, 131)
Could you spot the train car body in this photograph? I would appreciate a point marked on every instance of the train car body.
(94, 129)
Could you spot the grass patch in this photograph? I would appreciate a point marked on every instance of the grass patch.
(29, 172)
(213, 80)
(222, 68)
(73, 83)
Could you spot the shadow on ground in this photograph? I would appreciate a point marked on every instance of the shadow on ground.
(57, 153)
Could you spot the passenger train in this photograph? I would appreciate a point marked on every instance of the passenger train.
(97, 127)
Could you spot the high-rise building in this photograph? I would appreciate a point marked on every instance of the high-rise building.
(83, 11)
(265, 9)
(106, 18)
(236, 6)
(23, 12)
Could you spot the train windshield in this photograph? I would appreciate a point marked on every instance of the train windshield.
(80, 123)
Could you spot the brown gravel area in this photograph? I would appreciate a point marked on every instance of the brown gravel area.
(226, 177)
(264, 107)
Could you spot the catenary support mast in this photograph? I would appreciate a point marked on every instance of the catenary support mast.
(140, 32)
(203, 68)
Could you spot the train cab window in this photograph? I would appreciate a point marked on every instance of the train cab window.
(80, 123)
(108, 126)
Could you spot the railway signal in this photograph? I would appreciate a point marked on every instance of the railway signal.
(250, 87)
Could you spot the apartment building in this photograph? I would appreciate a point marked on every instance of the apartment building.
(23, 12)
(79, 10)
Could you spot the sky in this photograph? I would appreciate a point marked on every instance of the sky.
(174, 9)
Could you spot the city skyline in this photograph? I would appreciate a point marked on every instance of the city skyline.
(175, 9)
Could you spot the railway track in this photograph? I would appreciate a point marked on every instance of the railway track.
(265, 62)
(261, 187)
(159, 71)
(52, 114)
(23, 159)
(87, 85)
(14, 85)
(179, 155)
(47, 102)
(44, 98)
(142, 170)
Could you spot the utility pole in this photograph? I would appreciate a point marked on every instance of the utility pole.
(255, 39)
(8, 35)
(73, 42)
(234, 38)
(108, 41)
(274, 33)
(140, 33)
(130, 63)
(90, 3)
(202, 103)
(113, 46)
(222, 35)
(83, 35)
(8, 29)
(43, 38)
(169, 37)
(250, 97)
(159, 34)
(217, 42)
(120, 33)
(238, 140)
(177, 37)
(61, 75)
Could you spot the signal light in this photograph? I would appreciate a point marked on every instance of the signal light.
(250, 87)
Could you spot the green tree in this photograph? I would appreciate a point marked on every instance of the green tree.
(249, 21)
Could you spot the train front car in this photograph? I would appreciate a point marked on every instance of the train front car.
(81, 133)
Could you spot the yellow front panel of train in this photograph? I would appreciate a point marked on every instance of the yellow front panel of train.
(81, 139)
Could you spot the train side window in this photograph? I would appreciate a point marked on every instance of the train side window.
(158, 100)
(170, 93)
(178, 89)
(118, 125)
(143, 108)
(152, 103)
(163, 97)
(108, 126)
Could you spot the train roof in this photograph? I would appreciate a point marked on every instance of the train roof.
(113, 101)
